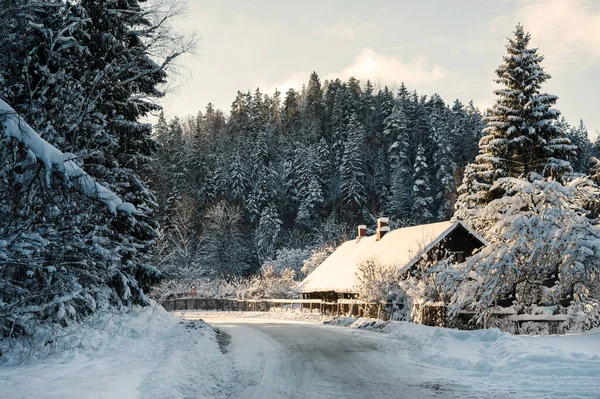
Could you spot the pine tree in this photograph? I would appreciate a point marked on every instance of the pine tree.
(82, 74)
(442, 137)
(269, 227)
(170, 166)
(422, 200)
(352, 173)
(291, 110)
(581, 158)
(396, 131)
(520, 136)
(313, 104)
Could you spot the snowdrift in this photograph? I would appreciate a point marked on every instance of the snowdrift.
(144, 353)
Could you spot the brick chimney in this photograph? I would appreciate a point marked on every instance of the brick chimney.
(382, 227)
(362, 231)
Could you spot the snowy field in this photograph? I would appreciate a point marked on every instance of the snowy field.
(145, 354)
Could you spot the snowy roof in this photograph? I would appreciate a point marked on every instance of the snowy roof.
(400, 247)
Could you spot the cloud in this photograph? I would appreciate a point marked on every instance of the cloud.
(567, 31)
(294, 81)
(368, 64)
(376, 67)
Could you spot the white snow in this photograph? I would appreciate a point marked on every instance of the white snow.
(273, 315)
(50, 269)
(537, 366)
(424, 361)
(399, 248)
(147, 353)
(50, 156)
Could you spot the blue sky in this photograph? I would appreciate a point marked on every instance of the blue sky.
(448, 47)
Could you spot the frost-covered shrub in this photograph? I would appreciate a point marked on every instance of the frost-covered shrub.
(380, 284)
(317, 257)
(543, 250)
(291, 258)
(268, 283)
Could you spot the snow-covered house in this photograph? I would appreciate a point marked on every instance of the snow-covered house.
(339, 275)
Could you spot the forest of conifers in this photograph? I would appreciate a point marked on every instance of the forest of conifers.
(292, 172)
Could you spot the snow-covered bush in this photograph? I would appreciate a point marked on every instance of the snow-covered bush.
(291, 258)
(543, 251)
(317, 257)
(380, 284)
(268, 283)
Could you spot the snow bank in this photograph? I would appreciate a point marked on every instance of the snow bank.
(144, 353)
(562, 366)
(50, 156)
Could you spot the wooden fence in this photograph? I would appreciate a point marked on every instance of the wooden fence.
(344, 307)
(432, 315)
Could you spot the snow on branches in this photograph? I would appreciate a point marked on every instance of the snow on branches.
(543, 251)
(54, 159)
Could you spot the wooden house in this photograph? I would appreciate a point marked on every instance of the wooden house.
(337, 278)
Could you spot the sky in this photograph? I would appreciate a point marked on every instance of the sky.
(434, 46)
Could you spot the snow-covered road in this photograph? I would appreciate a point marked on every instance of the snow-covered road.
(298, 360)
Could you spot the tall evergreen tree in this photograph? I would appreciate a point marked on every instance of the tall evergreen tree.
(352, 173)
(520, 136)
(422, 200)
(581, 157)
(83, 73)
(396, 131)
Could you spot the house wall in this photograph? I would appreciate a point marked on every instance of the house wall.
(459, 240)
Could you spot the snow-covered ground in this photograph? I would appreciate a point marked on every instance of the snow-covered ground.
(147, 353)
(558, 366)
(150, 353)
(484, 363)
(290, 316)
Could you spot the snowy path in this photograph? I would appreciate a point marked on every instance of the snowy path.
(298, 360)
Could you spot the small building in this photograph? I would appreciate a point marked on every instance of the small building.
(337, 278)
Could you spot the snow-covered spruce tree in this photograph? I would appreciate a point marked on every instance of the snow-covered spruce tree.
(224, 247)
(400, 197)
(352, 173)
(81, 74)
(581, 160)
(312, 201)
(422, 201)
(543, 246)
(169, 168)
(520, 134)
(267, 233)
(442, 137)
